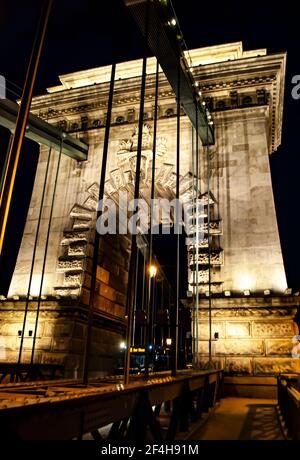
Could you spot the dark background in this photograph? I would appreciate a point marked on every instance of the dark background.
(87, 33)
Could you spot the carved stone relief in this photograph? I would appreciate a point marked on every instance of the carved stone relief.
(240, 347)
(276, 365)
(279, 347)
(239, 366)
(273, 328)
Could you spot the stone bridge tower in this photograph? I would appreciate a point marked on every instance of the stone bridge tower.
(250, 311)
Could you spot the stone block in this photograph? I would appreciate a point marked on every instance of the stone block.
(216, 363)
(78, 248)
(9, 356)
(273, 328)
(117, 282)
(26, 356)
(239, 366)
(9, 343)
(238, 329)
(279, 347)
(81, 212)
(107, 292)
(73, 279)
(53, 358)
(121, 299)
(79, 331)
(58, 329)
(85, 296)
(203, 347)
(119, 310)
(43, 343)
(61, 344)
(101, 303)
(276, 365)
(216, 327)
(102, 275)
(70, 264)
(240, 347)
(110, 266)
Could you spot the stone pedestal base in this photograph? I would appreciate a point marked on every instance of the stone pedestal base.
(61, 334)
(254, 334)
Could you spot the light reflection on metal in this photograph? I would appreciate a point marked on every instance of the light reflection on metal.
(11, 165)
(152, 271)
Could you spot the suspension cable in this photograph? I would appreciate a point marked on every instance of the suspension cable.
(6, 160)
(12, 163)
(34, 254)
(135, 297)
(130, 288)
(155, 118)
(209, 250)
(197, 240)
(87, 344)
(193, 246)
(143, 295)
(175, 349)
(46, 249)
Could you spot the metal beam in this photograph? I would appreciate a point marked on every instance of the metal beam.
(165, 43)
(41, 132)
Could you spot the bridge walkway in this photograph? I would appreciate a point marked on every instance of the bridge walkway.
(240, 419)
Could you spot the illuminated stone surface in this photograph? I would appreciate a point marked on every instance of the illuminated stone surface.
(239, 366)
(245, 93)
(240, 347)
(276, 365)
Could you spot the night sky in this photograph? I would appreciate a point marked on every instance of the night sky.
(88, 33)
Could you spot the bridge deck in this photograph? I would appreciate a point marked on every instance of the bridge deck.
(67, 409)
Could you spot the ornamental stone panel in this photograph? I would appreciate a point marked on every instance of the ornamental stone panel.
(240, 347)
(273, 328)
(276, 365)
(238, 329)
(239, 366)
(216, 327)
(279, 347)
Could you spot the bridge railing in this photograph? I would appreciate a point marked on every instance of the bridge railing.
(157, 409)
(289, 402)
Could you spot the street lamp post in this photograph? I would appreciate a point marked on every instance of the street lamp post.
(152, 270)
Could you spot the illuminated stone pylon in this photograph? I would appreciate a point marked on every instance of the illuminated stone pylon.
(244, 92)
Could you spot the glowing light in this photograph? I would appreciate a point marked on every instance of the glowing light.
(122, 345)
(203, 103)
(200, 93)
(152, 271)
(35, 285)
(169, 341)
(173, 22)
(267, 292)
(227, 293)
(244, 282)
(246, 292)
